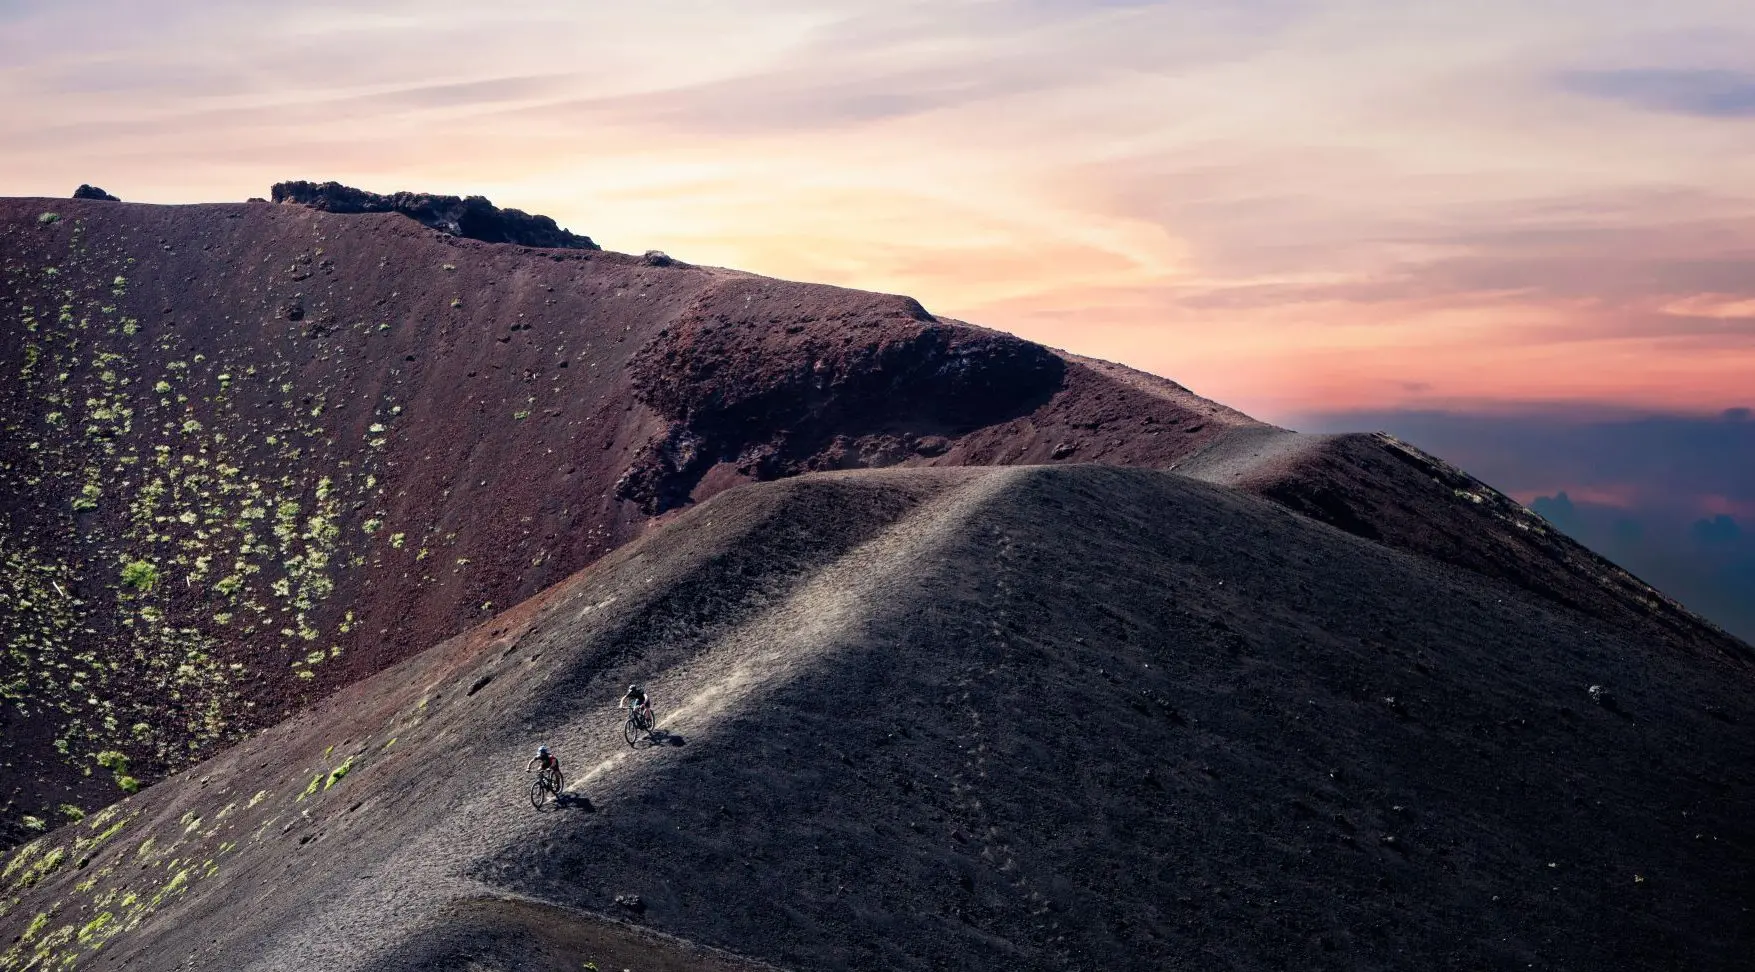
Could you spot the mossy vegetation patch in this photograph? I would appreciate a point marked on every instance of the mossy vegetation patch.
(208, 496)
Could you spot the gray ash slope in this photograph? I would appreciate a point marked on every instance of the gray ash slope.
(1036, 718)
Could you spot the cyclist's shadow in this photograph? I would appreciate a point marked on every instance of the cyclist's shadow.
(574, 801)
(659, 737)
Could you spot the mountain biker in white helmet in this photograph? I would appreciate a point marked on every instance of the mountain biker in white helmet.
(635, 699)
(547, 760)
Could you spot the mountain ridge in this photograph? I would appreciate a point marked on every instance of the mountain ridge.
(253, 453)
(309, 444)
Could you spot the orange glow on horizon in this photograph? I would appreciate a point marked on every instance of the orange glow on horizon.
(1208, 193)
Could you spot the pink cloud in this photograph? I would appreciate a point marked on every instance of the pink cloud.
(1211, 194)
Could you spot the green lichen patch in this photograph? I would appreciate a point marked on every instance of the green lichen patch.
(208, 523)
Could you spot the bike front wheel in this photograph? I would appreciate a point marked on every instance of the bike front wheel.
(538, 794)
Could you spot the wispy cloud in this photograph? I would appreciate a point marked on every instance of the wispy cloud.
(848, 97)
(1691, 91)
(1279, 202)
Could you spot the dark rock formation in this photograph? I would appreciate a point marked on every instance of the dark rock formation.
(473, 217)
(93, 192)
(869, 384)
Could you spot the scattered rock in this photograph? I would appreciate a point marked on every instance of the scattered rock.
(631, 902)
(1153, 703)
(1601, 695)
(322, 325)
(93, 192)
(931, 445)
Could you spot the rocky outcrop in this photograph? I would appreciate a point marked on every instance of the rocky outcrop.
(93, 192)
(473, 217)
(878, 382)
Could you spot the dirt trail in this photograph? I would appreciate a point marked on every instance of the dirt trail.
(749, 667)
(1250, 453)
(517, 934)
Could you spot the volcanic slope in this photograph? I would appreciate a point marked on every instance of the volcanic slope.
(1068, 717)
(250, 452)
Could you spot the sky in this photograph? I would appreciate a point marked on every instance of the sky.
(1508, 214)
(1289, 206)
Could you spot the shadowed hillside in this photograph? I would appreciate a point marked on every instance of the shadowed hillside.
(1037, 718)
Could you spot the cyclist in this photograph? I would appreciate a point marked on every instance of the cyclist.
(635, 699)
(547, 759)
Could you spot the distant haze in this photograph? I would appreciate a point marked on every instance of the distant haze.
(1670, 498)
(1290, 207)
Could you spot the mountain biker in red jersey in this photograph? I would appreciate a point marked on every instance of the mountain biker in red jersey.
(546, 758)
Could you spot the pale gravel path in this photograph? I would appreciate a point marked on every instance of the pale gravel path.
(1250, 453)
(394, 899)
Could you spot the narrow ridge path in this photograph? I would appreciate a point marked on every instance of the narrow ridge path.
(1250, 452)
(396, 899)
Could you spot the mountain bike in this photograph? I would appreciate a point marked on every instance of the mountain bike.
(546, 787)
(639, 725)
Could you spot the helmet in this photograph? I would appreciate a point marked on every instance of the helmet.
(542, 750)
(634, 690)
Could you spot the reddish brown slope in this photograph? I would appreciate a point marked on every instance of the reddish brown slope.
(249, 453)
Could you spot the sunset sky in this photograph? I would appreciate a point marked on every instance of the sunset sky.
(1289, 206)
